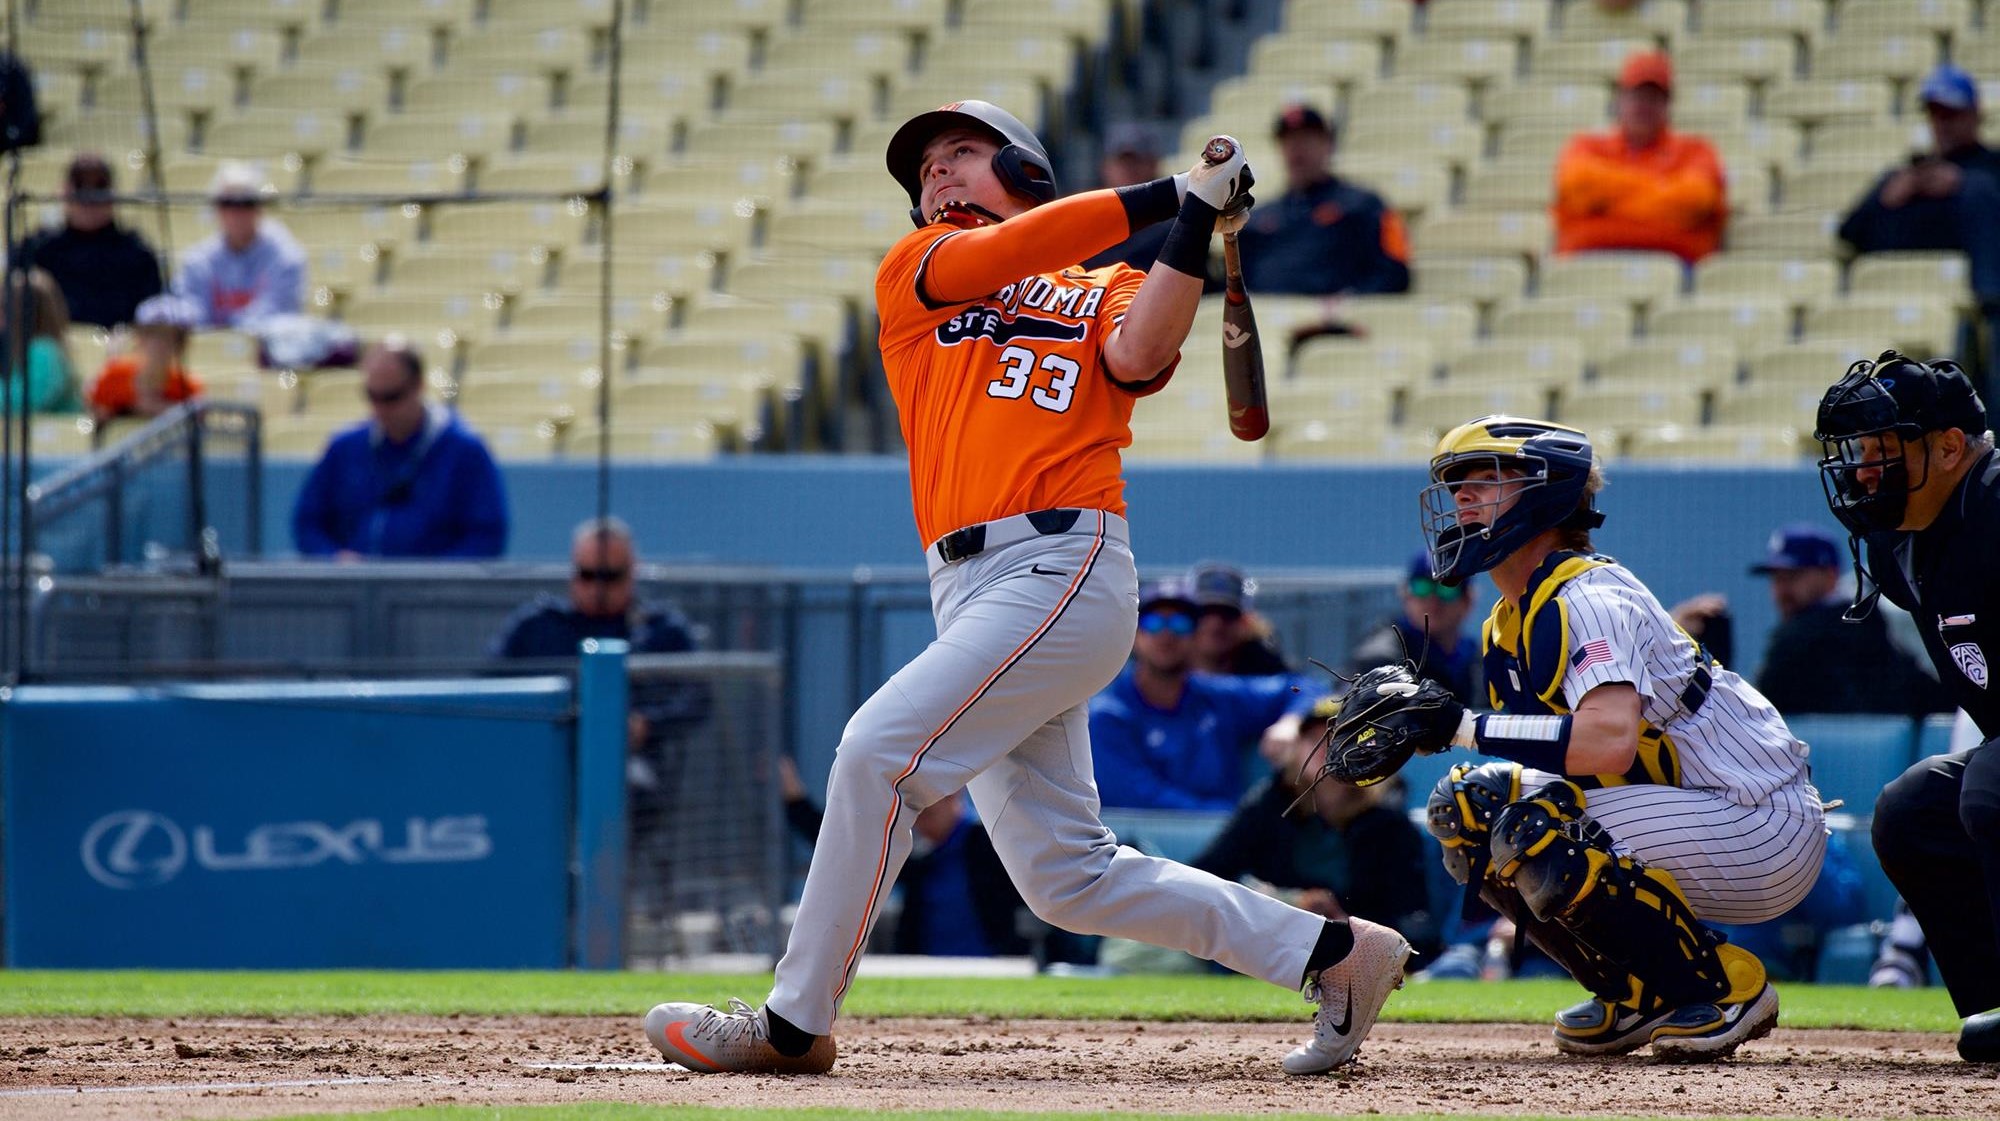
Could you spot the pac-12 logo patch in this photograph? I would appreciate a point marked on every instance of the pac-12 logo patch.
(1971, 662)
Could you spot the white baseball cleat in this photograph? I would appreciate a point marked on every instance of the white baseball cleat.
(1350, 994)
(707, 1040)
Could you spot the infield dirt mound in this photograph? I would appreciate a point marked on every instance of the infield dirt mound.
(142, 1070)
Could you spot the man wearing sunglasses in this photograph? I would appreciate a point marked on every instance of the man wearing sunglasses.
(411, 481)
(1168, 737)
(1431, 630)
(251, 267)
(1228, 636)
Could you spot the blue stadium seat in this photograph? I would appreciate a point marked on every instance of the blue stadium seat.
(1853, 757)
(1934, 736)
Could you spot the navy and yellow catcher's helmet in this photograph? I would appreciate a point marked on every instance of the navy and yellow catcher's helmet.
(1549, 465)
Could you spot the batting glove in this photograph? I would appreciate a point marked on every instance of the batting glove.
(1222, 185)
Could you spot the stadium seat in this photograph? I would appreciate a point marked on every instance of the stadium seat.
(250, 50)
(1827, 185)
(1486, 59)
(1579, 105)
(472, 135)
(916, 16)
(1873, 54)
(847, 275)
(439, 319)
(1811, 364)
(514, 394)
(646, 442)
(646, 139)
(1661, 20)
(1297, 400)
(1796, 281)
(1447, 325)
(1788, 406)
(1641, 279)
(1086, 22)
(1409, 100)
(1623, 408)
(840, 227)
(531, 14)
(553, 48)
(460, 90)
(1531, 142)
(275, 133)
(1526, 21)
(448, 15)
(196, 87)
(540, 174)
(1698, 364)
(649, 225)
(1343, 62)
(759, 180)
(1916, 325)
(349, 227)
(1584, 59)
(665, 89)
(1768, 145)
(737, 403)
(574, 359)
(826, 94)
(1718, 443)
(1386, 20)
(866, 54)
(1814, 100)
(1794, 235)
(1598, 325)
(515, 225)
(188, 174)
(1393, 365)
(1180, 440)
(635, 315)
(1882, 141)
(1532, 364)
(800, 140)
(1722, 102)
(347, 88)
(1891, 16)
(1750, 322)
(1442, 408)
(1752, 58)
(401, 47)
(1312, 439)
(1522, 232)
(821, 323)
(1805, 20)
(1510, 184)
(1942, 277)
(1483, 280)
(300, 437)
(1412, 188)
(365, 176)
(666, 280)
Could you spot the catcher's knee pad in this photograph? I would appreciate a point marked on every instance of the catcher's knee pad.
(1632, 916)
(1462, 809)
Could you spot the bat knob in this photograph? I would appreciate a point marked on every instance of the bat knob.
(1218, 150)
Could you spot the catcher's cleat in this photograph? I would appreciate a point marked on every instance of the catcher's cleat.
(1702, 1032)
(706, 1040)
(1599, 1027)
(1350, 994)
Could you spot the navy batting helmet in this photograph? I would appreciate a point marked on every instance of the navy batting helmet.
(1022, 163)
(1550, 465)
(1867, 417)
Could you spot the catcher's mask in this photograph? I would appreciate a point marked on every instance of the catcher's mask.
(1021, 163)
(1546, 469)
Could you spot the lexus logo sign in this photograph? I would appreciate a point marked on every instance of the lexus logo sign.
(133, 848)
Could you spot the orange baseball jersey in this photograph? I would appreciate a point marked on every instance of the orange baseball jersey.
(993, 341)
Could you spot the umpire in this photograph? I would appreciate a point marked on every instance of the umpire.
(1910, 471)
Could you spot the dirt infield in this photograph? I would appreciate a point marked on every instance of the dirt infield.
(140, 1070)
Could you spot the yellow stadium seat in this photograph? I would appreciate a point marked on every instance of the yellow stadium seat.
(1257, 99)
(331, 394)
(1766, 146)
(1922, 326)
(300, 437)
(1752, 323)
(1447, 325)
(708, 52)
(279, 15)
(872, 53)
(93, 43)
(1662, 20)
(1299, 401)
(1978, 55)
(1885, 142)
(737, 15)
(740, 404)
(1455, 143)
(582, 134)
(520, 91)
(1724, 103)
(1019, 96)
(1314, 439)
(349, 227)
(568, 358)
(1413, 188)
(1584, 59)
(1155, 441)
(470, 135)
(854, 179)
(1337, 61)
(1410, 100)
(1892, 16)
(790, 94)
(1694, 364)
(1796, 281)
(821, 322)
(1813, 100)
(364, 176)
(1524, 20)
(251, 49)
(1808, 366)
(1483, 280)
(467, 312)
(516, 441)
(1535, 363)
(406, 47)
(1522, 232)
(1640, 279)
(1442, 408)
(840, 227)
(666, 280)
(1792, 405)
(448, 268)
(185, 173)
(552, 48)
(1483, 59)
(1804, 20)
(1754, 58)
(518, 225)
(177, 88)
(1735, 443)
(760, 180)
(532, 14)
(1598, 325)
(1828, 185)
(665, 91)
(636, 316)
(848, 275)
(1524, 142)
(450, 15)
(537, 174)
(1510, 184)
(1050, 59)
(518, 392)
(339, 268)
(649, 442)
(647, 226)
(349, 88)
(1386, 20)
(1871, 54)
(1790, 235)
(1087, 22)
(270, 133)
(902, 15)
(1619, 408)
(802, 140)
(1398, 364)
(1577, 105)
(1941, 276)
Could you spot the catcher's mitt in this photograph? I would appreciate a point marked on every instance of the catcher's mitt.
(1389, 714)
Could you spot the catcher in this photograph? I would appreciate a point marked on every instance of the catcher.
(1635, 788)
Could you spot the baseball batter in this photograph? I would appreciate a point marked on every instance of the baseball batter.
(1643, 788)
(1015, 371)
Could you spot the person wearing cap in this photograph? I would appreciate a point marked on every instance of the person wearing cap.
(251, 267)
(1431, 630)
(152, 377)
(1816, 663)
(1229, 637)
(1168, 737)
(1642, 185)
(104, 270)
(1131, 157)
(1909, 469)
(410, 481)
(1325, 236)
(1945, 198)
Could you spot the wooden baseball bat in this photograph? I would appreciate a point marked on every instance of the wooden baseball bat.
(1242, 350)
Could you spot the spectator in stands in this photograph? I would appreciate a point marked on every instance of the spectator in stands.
(1641, 185)
(1818, 662)
(1945, 198)
(152, 377)
(1131, 156)
(50, 377)
(1330, 848)
(103, 269)
(411, 481)
(1325, 236)
(1449, 656)
(251, 267)
(1166, 737)
(1228, 636)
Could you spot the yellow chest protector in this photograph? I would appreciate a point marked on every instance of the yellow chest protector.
(1525, 649)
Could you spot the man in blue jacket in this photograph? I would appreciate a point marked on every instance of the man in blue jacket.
(412, 481)
(1167, 737)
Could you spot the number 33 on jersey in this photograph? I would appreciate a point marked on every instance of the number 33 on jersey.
(1004, 400)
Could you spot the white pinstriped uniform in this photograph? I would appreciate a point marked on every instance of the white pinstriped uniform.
(1745, 832)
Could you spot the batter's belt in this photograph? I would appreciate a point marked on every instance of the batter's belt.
(973, 540)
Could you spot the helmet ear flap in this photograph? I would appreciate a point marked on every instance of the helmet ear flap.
(1024, 174)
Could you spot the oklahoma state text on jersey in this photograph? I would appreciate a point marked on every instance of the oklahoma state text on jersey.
(1004, 399)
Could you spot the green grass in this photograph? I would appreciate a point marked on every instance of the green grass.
(609, 1111)
(265, 994)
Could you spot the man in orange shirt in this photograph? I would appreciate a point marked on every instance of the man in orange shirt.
(1643, 185)
(1015, 372)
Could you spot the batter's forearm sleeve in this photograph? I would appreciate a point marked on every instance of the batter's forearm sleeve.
(1055, 235)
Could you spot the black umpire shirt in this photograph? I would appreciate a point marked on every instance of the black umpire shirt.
(1947, 576)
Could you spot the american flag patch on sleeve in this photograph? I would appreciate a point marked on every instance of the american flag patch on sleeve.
(1596, 652)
